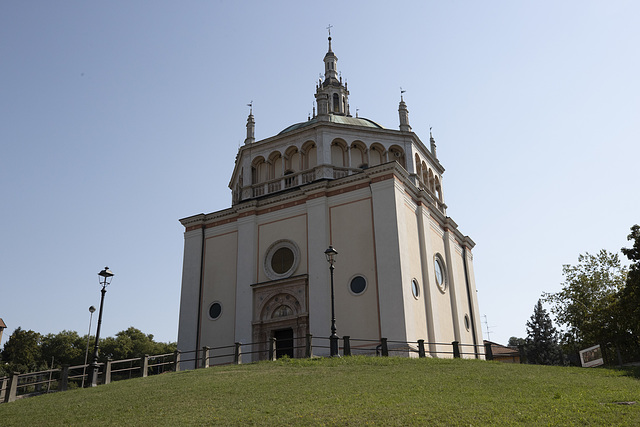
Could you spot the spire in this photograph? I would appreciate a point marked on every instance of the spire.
(433, 144)
(404, 114)
(251, 126)
(330, 66)
(332, 96)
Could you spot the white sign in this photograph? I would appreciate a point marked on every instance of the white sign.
(590, 357)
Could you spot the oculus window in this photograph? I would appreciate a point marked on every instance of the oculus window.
(281, 260)
(441, 273)
(358, 285)
(415, 288)
(215, 310)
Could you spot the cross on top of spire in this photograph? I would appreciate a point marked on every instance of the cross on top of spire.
(329, 28)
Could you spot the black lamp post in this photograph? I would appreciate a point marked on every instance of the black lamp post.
(105, 279)
(331, 255)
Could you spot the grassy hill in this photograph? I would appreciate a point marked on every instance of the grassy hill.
(347, 391)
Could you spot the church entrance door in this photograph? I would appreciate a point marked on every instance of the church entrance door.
(284, 342)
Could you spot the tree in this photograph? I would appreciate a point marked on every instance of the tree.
(132, 343)
(542, 339)
(586, 306)
(22, 351)
(630, 295)
(66, 347)
(516, 342)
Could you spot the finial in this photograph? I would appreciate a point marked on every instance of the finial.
(250, 105)
(357, 109)
(401, 92)
(329, 28)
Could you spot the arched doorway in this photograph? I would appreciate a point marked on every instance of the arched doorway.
(280, 311)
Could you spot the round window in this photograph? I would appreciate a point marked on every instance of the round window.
(415, 288)
(281, 259)
(358, 285)
(441, 280)
(215, 310)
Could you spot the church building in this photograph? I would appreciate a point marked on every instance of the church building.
(257, 270)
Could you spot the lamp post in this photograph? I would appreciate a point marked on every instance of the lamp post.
(105, 279)
(92, 310)
(331, 255)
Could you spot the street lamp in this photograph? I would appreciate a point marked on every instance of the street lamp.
(92, 310)
(105, 279)
(331, 255)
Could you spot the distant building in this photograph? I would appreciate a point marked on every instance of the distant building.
(503, 353)
(257, 270)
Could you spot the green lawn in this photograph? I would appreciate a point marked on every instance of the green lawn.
(347, 391)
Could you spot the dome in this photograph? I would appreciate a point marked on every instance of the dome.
(344, 120)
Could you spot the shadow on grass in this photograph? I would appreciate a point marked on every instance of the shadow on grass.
(631, 371)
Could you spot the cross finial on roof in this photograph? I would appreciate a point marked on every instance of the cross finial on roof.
(401, 92)
(250, 105)
(329, 28)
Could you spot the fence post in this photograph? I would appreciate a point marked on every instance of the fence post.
(64, 378)
(144, 365)
(3, 385)
(307, 346)
(385, 348)
(176, 360)
(272, 349)
(421, 352)
(488, 351)
(456, 349)
(107, 371)
(205, 357)
(237, 355)
(13, 388)
(347, 345)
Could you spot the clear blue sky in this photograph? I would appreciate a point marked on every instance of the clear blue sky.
(118, 118)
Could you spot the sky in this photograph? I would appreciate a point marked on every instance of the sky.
(119, 118)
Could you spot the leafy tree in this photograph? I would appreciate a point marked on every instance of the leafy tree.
(630, 294)
(22, 351)
(586, 306)
(132, 343)
(515, 342)
(542, 346)
(64, 347)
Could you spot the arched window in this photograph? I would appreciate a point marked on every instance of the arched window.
(425, 177)
(293, 159)
(375, 155)
(358, 157)
(336, 103)
(309, 156)
(337, 154)
(259, 171)
(431, 183)
(396, 153)
(275, 163)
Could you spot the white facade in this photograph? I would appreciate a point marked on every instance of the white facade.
(257, 270)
